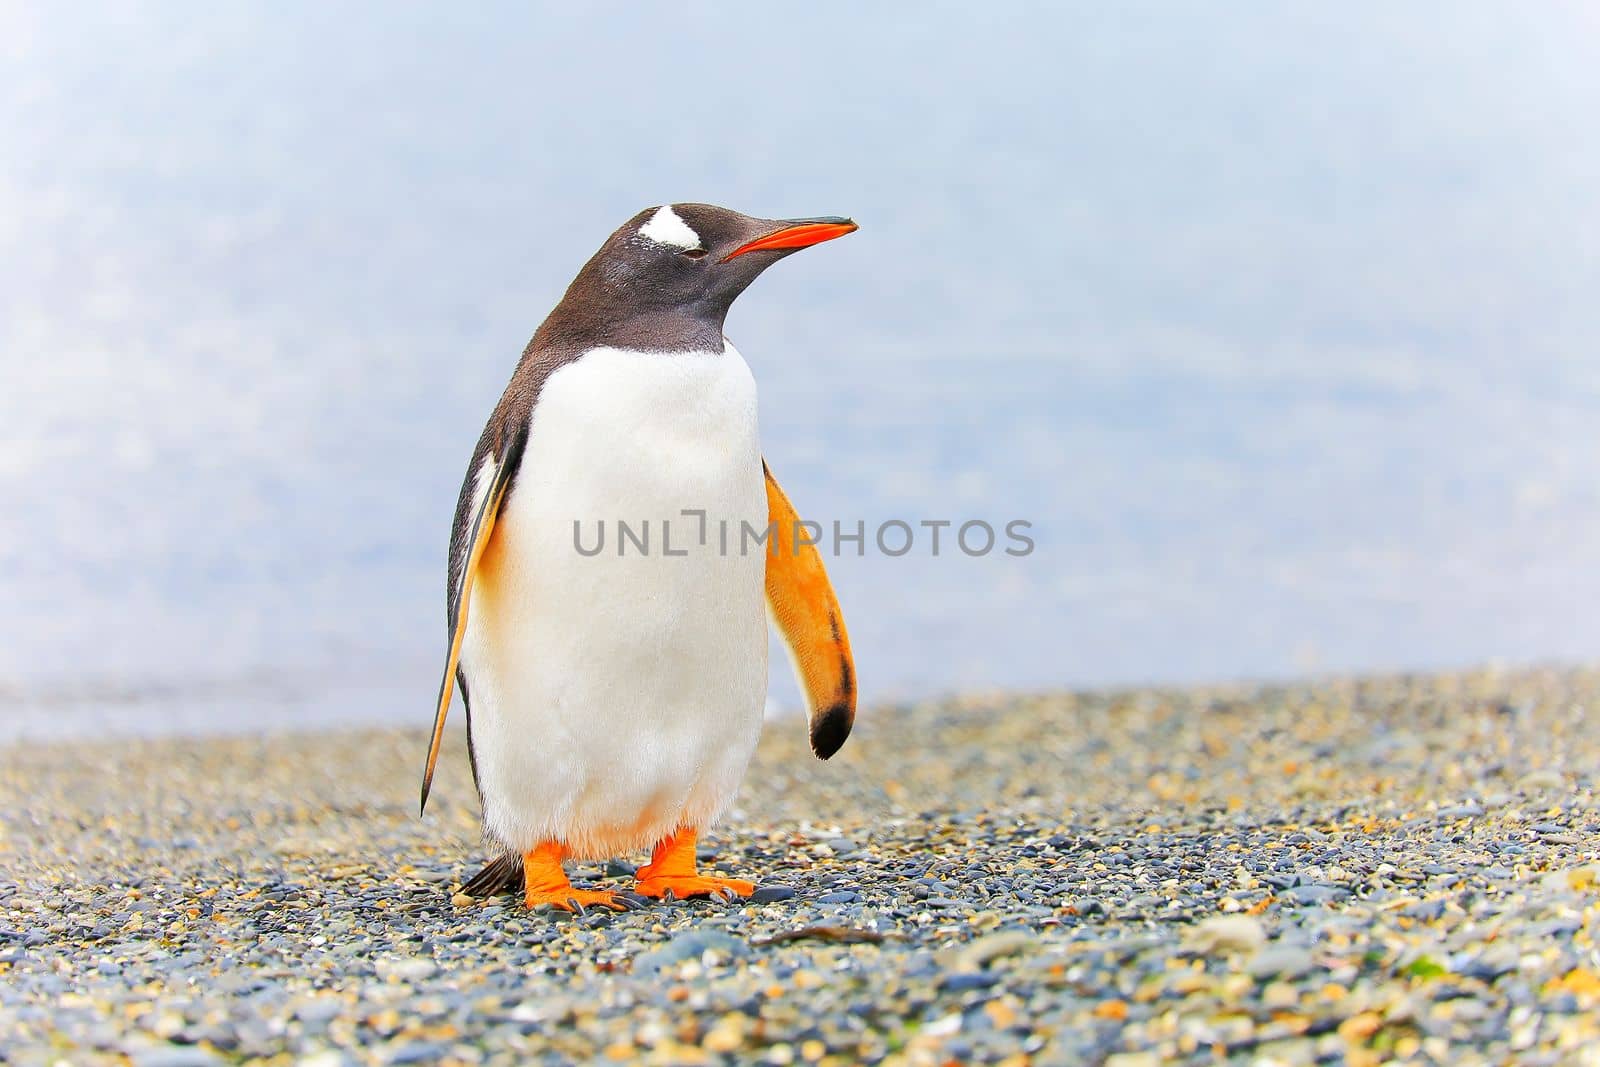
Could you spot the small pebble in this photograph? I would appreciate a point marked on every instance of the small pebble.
(1225, 934)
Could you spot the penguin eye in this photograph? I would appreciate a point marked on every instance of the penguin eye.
(693, 253)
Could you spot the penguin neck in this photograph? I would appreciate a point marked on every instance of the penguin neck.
(657, 331)
(595, 318)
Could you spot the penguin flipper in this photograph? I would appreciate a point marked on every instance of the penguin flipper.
(806, 612)
(507, 459)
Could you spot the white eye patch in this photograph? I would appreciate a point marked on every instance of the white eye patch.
(666, 228)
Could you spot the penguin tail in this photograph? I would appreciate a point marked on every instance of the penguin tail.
(503, 874)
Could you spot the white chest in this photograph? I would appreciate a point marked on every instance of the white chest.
(616, 695)
(631, 430)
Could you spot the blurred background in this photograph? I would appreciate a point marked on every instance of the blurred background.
(1279, 325)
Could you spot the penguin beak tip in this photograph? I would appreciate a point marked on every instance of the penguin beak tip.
(797, 233)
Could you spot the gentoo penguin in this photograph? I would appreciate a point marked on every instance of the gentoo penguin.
(614, 697)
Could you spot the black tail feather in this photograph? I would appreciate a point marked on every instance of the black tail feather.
(503, 874)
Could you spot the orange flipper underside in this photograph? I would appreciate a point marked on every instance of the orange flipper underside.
(807, 614)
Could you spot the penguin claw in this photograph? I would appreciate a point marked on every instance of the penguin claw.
(576, 901)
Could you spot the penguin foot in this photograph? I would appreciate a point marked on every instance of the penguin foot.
(545, 882)
(672, 870)
(693, 885)
(578, 900)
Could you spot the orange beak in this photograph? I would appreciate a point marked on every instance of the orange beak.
(797, 233)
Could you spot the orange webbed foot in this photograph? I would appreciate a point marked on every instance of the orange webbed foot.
(577, 900)
(692, 885)
(546, 882)
(672, 870)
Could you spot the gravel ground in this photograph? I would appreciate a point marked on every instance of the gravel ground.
(1358, 872)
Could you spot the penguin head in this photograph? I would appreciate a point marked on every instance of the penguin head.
(690, 261)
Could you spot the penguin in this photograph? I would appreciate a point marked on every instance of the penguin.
(614, 696)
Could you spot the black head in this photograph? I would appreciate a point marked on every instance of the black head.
(666, 279)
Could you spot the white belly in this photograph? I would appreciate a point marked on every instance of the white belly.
(617, 697)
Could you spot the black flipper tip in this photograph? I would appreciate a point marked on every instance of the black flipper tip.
(828, 733)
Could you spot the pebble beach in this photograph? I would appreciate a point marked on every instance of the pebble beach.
(1397, 869)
